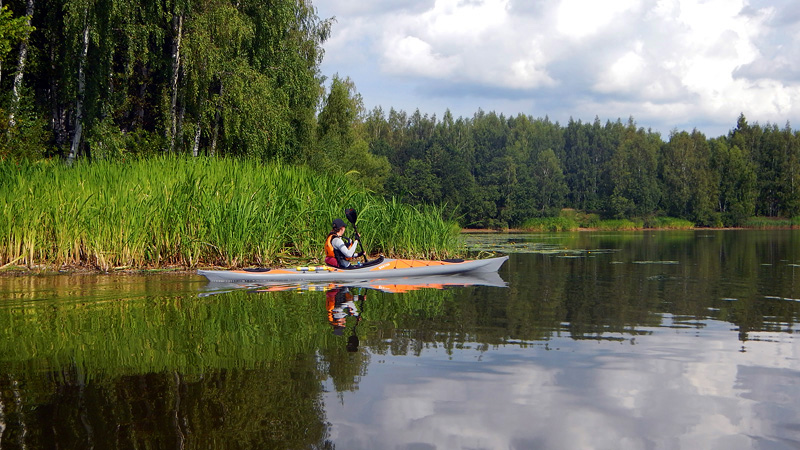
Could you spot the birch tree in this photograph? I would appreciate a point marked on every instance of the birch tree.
(21, 61)
(81, 89)
(12, 30)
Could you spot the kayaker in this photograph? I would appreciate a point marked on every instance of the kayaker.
(337, 252)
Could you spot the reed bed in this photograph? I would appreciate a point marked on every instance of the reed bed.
(766, 223)
(571, 220)
(174, 211)
(543, 224)
(669, 223)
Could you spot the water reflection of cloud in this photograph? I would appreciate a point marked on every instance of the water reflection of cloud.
(670, 390)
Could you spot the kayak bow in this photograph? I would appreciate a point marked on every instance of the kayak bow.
(380, 268)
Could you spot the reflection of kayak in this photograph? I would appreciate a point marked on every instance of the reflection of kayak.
(394, 285)
(380, 268)
(406, 284)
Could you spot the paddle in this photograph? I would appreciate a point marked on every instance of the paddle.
(352, 216)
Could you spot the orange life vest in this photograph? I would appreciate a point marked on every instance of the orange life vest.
(333, 254)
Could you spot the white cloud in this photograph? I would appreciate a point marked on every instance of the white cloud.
(410, 55)
(468, 42)
(667, 63)
(579, 19)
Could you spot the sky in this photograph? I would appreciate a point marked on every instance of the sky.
(669, 64)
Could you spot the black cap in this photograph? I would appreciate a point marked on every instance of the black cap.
(338, 223)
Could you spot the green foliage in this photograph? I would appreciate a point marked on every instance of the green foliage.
(208, 76)
(687, 178)
(12, 30)
(188, 212)
(499, 172)
(619, 225)
(668, 223)
(633, 174)
(766, 223)
(340, 148)
(736, 183)
(28, 139)
(550, 224)
(107, 141)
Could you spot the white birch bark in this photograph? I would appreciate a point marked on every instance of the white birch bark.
(76, 138)
(23, 59)
(196, 146)
(177, 24)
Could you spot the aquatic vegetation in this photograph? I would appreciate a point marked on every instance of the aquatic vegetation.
(669, 223)
(550, 224)
(764, 223)
(187, 212)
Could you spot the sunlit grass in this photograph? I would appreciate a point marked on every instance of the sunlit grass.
(669, 223)
(550, 224)
(189, 212)
(770, 222)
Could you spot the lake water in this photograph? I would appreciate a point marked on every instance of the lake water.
(635, 340)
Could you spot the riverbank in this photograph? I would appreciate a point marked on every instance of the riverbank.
(595, 229)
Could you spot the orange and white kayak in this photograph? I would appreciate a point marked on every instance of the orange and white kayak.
(393, 285)
(379, 268)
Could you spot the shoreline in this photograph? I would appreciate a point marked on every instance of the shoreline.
(521, 231)
(12, 270)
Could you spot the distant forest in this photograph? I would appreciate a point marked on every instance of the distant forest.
(120, 79)
(501, 171)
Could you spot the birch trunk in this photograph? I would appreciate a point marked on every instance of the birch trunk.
(23, 59)
(177, 25)
(215, 134)
(196, 147)
(76, 138)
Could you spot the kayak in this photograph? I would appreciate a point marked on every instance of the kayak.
(379, 268)
(392, 285)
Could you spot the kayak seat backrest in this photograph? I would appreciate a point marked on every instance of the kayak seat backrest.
(256, 270)
(454, 260)
(374, 262)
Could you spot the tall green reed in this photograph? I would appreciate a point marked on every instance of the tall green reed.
(174, 211)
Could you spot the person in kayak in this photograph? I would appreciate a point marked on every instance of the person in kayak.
(338, 253)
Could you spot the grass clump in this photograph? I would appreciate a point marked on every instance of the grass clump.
(188, 212)
(668, 223)
(765, 223)
(619, 225)
(550, 224)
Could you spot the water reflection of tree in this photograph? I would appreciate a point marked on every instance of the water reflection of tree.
(273, 406)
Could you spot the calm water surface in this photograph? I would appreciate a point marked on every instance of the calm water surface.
(641, 340)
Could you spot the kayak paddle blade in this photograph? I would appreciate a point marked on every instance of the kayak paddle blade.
(351, 215)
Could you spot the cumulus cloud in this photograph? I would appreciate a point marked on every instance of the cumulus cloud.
(668, 63)
(668, 392)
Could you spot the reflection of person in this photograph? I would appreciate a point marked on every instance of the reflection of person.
(340, 303)
(338, 253)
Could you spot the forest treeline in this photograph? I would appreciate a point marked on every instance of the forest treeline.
(499, 171)
(119, 79)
